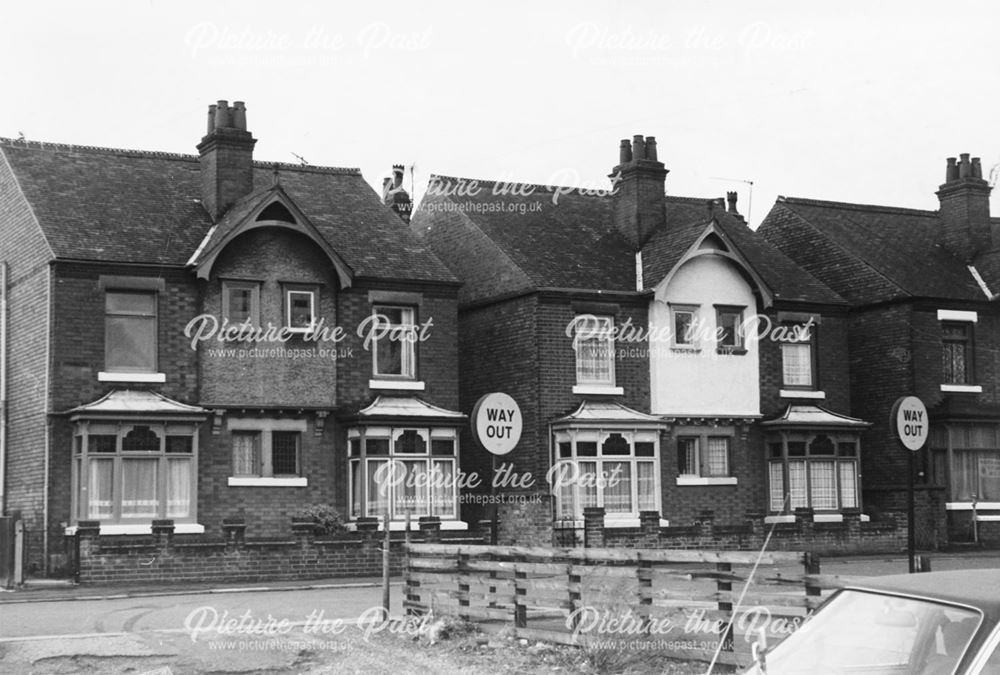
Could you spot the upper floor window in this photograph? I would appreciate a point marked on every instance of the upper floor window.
(594, 343)
(729, 328)
(798, 356)
(130, 328)
(956, 340)
(241, 302)
(684, 322)
(300, 308)
(393, 353)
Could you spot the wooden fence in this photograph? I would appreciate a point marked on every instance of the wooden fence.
(675, 601)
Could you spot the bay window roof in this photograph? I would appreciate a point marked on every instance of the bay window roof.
(120, 402)
(813, 417)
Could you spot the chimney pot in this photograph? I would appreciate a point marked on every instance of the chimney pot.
(397, 175)
(239, 116)
(211, 119)
(964, 166)
(651, 148)
(638, 147)
(731, 202)
(625, 152)
(222, 115)
(977, 168)
(951, 172)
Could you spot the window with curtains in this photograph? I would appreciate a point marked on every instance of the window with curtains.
(265, 453)
(134, 472)
(402, 470)
(956, 342)
(394, 351)
(817, 470)
(594, 344)
(703, 456)
(798, 357)
(618, 470)
(684, 325)
(130, 331)
(974, 470)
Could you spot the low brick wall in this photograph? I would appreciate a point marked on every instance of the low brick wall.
(166, 558)
(851, 536)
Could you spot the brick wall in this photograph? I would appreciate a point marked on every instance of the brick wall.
(27, 255)
(164, 558)
(705, 531)
(78, 332)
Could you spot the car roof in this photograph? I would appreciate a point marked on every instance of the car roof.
(976, 588)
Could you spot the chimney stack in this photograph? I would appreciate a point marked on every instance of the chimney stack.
(226, 158)
(731, 203)
(394, 196)
(965, 209)
(639, 201)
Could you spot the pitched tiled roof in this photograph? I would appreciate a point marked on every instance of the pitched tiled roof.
(501, 243)
(547, 240)
(131, 206)
(688, 218)
(869, 253)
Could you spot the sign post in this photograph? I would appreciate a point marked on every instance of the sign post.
(496, 426)
(908, 420)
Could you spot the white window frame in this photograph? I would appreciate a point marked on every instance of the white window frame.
(702, 436)
(81, 465)
(812, 342)
(265, 428)
(599, 436)
(786, 461)
(288, 291)
(358, 502)
(605, 334)
(408, 352)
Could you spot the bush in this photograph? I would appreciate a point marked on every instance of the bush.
(326, 518)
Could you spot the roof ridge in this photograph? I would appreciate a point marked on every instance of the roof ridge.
(582, 191)
(162, 154)
(853, 206)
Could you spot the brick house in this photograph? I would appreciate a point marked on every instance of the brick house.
(649, 337)
(922, 287)
(200, 337)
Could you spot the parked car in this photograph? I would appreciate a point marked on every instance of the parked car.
(938, 623)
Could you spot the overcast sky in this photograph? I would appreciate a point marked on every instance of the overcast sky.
(850, 101)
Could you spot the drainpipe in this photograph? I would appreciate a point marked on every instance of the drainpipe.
(3, 388)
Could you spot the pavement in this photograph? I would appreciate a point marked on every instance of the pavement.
(52, 590)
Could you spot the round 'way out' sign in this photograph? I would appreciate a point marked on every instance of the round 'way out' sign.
(909, 420)
(496, 423)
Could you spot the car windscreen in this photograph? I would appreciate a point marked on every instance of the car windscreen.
(867, 632)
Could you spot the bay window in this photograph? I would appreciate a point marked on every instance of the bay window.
(966, 458)
(818, 470)
(402, 470)
(617, 470)
(131, 472)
